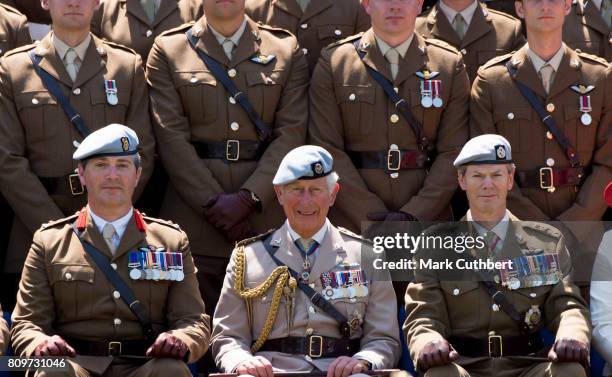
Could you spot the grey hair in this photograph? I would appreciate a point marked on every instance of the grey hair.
(461, 169)
(136, 159)
(332, 178)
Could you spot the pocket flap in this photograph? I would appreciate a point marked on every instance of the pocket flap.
(67, 273)
(512, 114)
(34, 99)
(355, 93)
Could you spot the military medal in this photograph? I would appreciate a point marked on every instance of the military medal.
(514, 283)
(110, 86)
(584, 102)
(163, 274)
(533, 316)
(180, 275)
(426, 100)
(427, 88)
(134, 265)
(437, 93)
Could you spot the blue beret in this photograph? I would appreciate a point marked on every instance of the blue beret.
(112, 140)
(485, 149)
(305, 162)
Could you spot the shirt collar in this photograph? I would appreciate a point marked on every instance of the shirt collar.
(538, 62)
(318, 236)
(234, 38)
(500, 229)
(402, 48)
(450, 13)
(597, 3)
(62, 48)
(120, 224)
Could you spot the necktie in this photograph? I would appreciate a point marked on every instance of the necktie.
(392, 57)
(228, 46)
(606, 11)
(546, 73)
(459, 25)
(149, 8)
(108, 232)
(71, 62)
(494, 243)
(303, 4)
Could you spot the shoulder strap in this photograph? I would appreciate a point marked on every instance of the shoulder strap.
(264, 132)
(546, 118)
(56, 91)
(400, 104)
(113, 277)
(316, 298)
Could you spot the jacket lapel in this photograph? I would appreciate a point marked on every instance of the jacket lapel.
(94, 62)
(526, 73)
(479, 27)
(208, 43)
(92, 235)
(328, 254)
(135, 8)
(512, 248)
(51, 62)
(568, 73)
(166, 8)
(289, 6)
(441, 28)
(248, 44)
(592, 18)
(131, 237)
(315, 7)
(373, 57)
(414, 60)
(286, 251)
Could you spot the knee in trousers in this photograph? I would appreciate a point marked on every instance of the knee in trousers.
(168, 367)
(567, 369)
(450, 370)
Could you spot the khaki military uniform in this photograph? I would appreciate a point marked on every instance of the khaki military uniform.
(4, 334)
(36, 137)
(497, 106)
(234, 331)
(440, 309)
(32, 9)
(584, 29)
(63, 292)
(125, 21)
(323, 21)
(491, 33)
(13, 29)
(506, 6)
(350, 112)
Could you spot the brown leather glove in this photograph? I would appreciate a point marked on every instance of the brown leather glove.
(435, 354)
(568, 350)
(224, 211)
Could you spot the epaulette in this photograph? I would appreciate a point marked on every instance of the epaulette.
(497, 60)
(167, 223)
(500, 13)
(248, 241)
(354, 235)
(442, 44)
(274, 29)
(543, 228)
(119, 46)
(21, 49)
(62, 221)
(592, 57)
(9, 8)
(182, 28)
(345, 40)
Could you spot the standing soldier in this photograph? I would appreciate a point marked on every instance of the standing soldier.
(588, 27)
(553, 105)
(315, 23)
(228, 101)
(136, 23)
(480, 34)
(391, 107)
(13, 29)
(114, 290)
(32, 9)
(52, 95)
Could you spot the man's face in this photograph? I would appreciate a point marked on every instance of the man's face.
(393, 16)
(71, 14)
(223, 10)
(110, 181)
(486, 187)
(306, 203)
(543, 16)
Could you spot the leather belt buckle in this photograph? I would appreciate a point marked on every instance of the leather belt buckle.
(315, 341)
(76, 188)
(114, 348)
(394, 159)
(496, 348)
(544, 172)
(232, 150)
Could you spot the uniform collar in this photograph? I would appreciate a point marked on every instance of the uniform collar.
(500, 229)
(62, 48)
(318, 236)
(402, 48)
(120, 224)
(597, 4)
(538, 62)
(234, 38)
(467, 13)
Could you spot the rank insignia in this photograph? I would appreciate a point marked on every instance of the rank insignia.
(262, 59)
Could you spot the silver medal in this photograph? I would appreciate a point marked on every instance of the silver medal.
(586, 119)
(135, 274)
(426, 101)
(514, 283)
(111, 98)
(180, 276)
(437, 102)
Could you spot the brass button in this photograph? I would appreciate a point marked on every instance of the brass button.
(550, 162)
(305, 51)
(309, 331)
(393, 147)
(232, 100)
(232, 72)
(456, 291)
(117, 321)
(116, 295)
(34, 101)
(193, 80)
(352, 97)
(304, 26)
(510, 116)
(532, 295)
(549, 135)
(77, 91)
(114, 266)
(338, 32)
(149, 33)
(68, 276)
(550, 107)
(394, 175)
(234, 126)
(463, 51)
(311, 309)
(394, 118)
(396, 89)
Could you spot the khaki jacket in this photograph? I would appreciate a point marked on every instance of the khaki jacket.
(31, 9)
(37, 139)
(63, 292)
(4, 334)
(350, 112)
(497, 106)
(233, 334)
(323, 22)
(438, 309)
(491, 33)
(125, 21)
(584, 29)
(13, 29)
(190, 105)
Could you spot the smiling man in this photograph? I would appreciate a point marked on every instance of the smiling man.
(113, 290)
(487, 325)
(325, 312)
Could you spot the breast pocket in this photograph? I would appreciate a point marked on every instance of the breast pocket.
(515, 125)
(357, 104)
(330, 33)
(527, 298)
(73, 287)
(198, 90)
(264, 91)
(154, 296)
(354, 309)
(39, 114)
(463, 303)
(582, 136)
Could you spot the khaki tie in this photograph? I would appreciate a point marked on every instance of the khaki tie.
(303, 4)
(392, 57)
(494, 243)
(228, 46)
(149, 8)
(546, 74)
(72, 63)
(606, 12)
(108, 232)
(459, 25)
